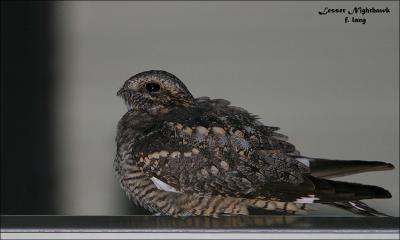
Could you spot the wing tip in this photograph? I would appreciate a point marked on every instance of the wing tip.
(380, 166)
(389, 166)
(382, 193)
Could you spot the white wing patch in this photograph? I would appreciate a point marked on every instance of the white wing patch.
(163, 186)
(304, 161)
(309, 199)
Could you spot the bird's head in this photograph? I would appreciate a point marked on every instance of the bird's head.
(155, 91)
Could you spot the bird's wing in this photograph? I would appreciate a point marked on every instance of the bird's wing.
(216, 149)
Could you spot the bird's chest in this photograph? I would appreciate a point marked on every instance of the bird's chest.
(137, 185)
(132, 179)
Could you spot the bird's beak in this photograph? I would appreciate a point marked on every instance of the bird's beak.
(121, 91)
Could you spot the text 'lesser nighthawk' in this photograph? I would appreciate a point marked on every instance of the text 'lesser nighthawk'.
(182, 156)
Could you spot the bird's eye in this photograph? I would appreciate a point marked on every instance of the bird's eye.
(152, 87)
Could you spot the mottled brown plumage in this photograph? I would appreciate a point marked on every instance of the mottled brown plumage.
(180, 156)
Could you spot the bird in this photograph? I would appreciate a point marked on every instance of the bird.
(183, 156)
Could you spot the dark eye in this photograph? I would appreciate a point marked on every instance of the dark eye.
(153, 87)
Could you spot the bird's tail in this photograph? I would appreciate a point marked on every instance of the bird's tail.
(346, 195)
(329, 191)
(330, 168)
(340, 194)
(359, 208)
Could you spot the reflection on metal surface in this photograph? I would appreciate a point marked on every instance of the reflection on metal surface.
(169, 224)
(242, 222)
(199, 235)
(229, 227)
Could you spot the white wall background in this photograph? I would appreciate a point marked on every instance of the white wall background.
(332, 87)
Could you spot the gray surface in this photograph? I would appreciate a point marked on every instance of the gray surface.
(332, 87)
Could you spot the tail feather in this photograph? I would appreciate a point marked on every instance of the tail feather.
(329, 168)
(317, 188)
(359, 208)
(329, 191)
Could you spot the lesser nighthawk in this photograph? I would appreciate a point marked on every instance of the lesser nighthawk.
(180, 156)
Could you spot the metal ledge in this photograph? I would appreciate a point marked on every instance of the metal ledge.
(229, 227)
